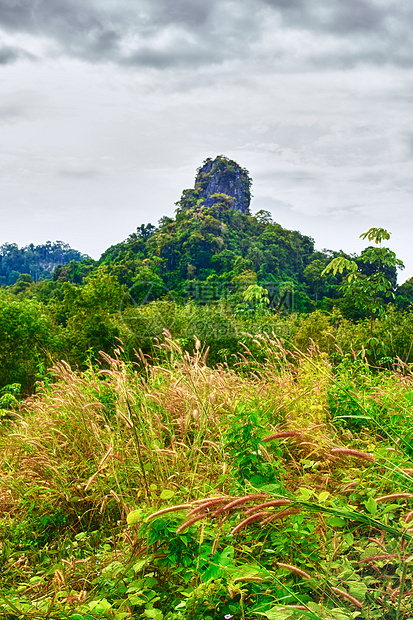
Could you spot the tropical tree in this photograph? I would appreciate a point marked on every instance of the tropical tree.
(370, 291)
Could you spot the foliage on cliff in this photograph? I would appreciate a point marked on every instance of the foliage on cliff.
(216, 179)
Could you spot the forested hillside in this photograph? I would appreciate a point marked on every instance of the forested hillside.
(37, 261)
(214, 271)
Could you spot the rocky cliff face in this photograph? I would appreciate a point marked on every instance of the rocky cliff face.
(217, 180)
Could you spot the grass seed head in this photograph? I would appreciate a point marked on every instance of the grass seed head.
(385, 498)
(356, 453)
(165, 511)
(294, 569)
(282, 435)
(280, 515)
(273, 502)
(238, 502)
(255, 517)
(190, 522)
(347, 596)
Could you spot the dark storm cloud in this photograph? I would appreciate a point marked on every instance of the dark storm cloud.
(164, 33)
(334, 16)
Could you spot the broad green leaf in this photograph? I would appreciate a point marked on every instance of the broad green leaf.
(304, 494)
(139, 565)
(357, 589)
(36, 579)
(323, 496)
(336, 522)
(134, 517)
(154, 614)
(134, 599)
(167, 494)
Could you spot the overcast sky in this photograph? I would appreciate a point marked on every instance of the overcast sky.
(107, 107)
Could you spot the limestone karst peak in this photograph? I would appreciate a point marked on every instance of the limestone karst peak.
(217, 180)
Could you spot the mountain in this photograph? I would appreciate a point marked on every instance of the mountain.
(213, 239)
(212, 244)
(214, 180)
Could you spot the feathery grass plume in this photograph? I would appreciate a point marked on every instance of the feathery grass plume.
(106, 457)
(187, 524)
(385, 498)
(255, 517)
(282, 435)
(381, 556)
(165, 511)
(91, 480)
(356, 453)
(214, 501)
(198, 502)
(280, 515)
(408, 518)
(238, 502)
(347, 596)
(252, 578)
(59, 577)
(82, 596)
(273, 502)
(294, 569)
(349, 487)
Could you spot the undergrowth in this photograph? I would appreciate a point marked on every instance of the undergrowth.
(280, 487)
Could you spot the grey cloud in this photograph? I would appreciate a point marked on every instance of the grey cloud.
(165, 33)
(179, 56)
(11, 112)
(335, 16)
(81, 175)
(22, 105)
(10, 54)
(192, 13)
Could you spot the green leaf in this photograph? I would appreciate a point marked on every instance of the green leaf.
(134, 517)
(371, 505)
(155, 614)
(139, 565)
(277, 614)
(336, 522)
(167, 494)
(323, 496)
(357, 589)
(181, 605)
(304, 494)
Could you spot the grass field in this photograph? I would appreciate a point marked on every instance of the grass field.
(280, 487)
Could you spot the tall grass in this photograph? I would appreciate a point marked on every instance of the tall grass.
(280, 487)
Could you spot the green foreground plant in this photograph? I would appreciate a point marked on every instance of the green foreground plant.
(370, 291)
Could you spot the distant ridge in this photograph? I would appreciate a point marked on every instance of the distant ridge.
(38, 261)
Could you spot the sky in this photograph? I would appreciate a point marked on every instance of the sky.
(108, 107)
